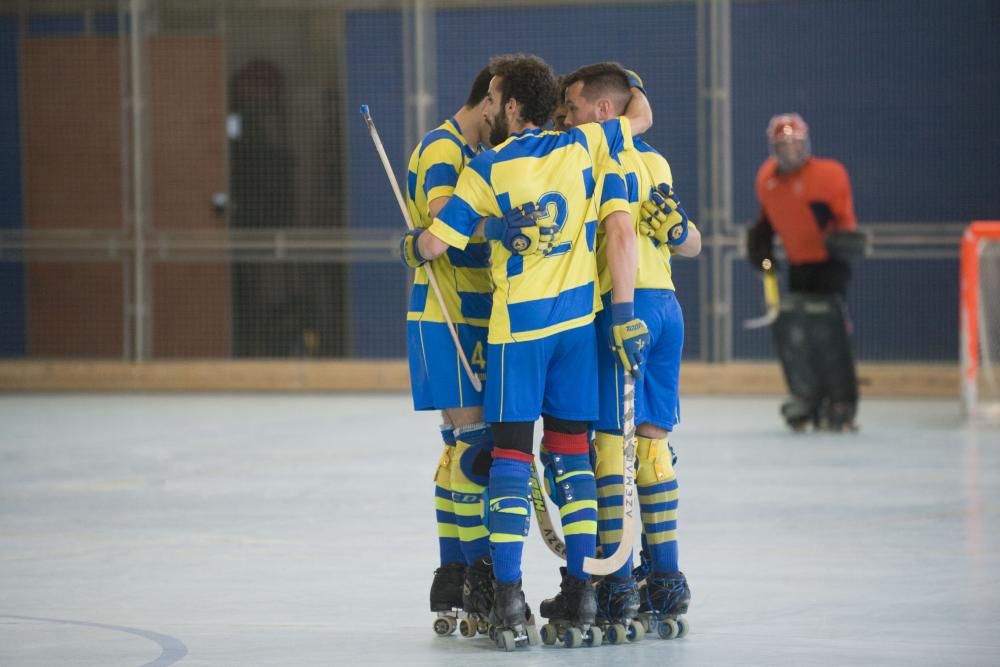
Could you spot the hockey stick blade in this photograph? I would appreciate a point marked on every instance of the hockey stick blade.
(543, 517)
(765, 320)
(614, 562)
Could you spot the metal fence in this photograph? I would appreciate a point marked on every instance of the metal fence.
(189, 178)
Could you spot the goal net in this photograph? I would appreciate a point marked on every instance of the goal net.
(980, 319)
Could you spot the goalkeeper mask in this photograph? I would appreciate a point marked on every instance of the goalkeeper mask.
(788, 139)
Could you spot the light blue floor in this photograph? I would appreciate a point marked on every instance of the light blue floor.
(297, 530)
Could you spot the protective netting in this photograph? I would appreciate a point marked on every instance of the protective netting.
(191, 178)
(989, 322)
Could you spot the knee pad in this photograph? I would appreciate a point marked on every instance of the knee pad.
(564, 473)
(473, 455)
(508, 501)
(655, 464)
(609, 459)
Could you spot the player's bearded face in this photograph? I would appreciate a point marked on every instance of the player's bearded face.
(499, 129)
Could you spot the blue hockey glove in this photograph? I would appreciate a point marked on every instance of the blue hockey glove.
(523, 230)
(409, 251)
(634, 80)
(663, 218)
(629, 338)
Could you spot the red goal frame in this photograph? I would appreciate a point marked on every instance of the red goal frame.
(975, 234)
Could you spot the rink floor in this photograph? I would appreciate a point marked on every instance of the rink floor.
(298, 530)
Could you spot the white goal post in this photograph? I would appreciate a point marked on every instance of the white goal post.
(979, 341)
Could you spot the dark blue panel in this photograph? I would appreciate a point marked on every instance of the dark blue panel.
(903, 92)
(12, 315)
(378, 292)
(106, 24)
(686, 282)
(902, 310)
(55, 25)
(567, 38)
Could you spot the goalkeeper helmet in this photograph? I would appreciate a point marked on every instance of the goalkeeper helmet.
(788, 139)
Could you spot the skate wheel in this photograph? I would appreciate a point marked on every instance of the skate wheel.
(616, 633)
(534, 638)
(636, 632)
(492, 633)
(668, 628)
(444, 625)
(550, 635)
(505, 640)
(644, 622)
(573, 638)
(467, 628)
(594, 636)
(682, 627)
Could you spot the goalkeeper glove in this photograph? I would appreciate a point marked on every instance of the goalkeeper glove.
(629, 338)
(409, 251)
(523, 230)
(663, 218)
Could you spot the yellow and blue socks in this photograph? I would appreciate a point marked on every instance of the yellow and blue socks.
(470, 468)
(658, 495)
(609, 470)
(508, 511)
(449, 546)
(571, 483)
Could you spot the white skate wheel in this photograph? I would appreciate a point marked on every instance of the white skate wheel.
(534, 638)
(636, 632)
(549, 634)
(573, 638)
(506, 641)
(467, 628)
(682, 627)
(617, 633)
(444, 625)
(594, 636)
(668, 628)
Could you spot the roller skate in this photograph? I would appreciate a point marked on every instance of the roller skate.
(571, 614)
(664, 600)
(477, 598)
(511, 624)
(446, 597)
(839, 417)
(799, 415)
(642, 570)
(617, 607)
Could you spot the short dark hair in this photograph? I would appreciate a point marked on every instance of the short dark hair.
(529, 80)
(480, 87)
(601, 79)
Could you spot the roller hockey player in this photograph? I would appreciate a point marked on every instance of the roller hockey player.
(595, 93)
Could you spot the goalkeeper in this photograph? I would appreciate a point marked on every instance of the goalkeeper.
(806, 201)
(596, 93)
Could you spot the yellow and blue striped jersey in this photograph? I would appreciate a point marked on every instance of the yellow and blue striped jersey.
(462, 274)
(644, 169)
(577, 178)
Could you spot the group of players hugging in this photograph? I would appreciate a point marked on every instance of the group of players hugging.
(552, 252)
(548, 226)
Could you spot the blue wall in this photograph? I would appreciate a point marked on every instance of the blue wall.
(12, 323)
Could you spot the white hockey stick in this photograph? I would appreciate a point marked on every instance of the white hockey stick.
(614, 562)
(543, 517)
(473, 378)
(771, 299)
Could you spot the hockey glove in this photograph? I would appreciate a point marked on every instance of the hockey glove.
(634, 80)
(629, 338)
(523, 230)
(409, 251)
(663, 218)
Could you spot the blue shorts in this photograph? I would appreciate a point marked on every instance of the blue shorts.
(656, 397)
(555, 375)
(437, 378)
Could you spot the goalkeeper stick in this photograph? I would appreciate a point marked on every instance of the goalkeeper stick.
(614, 562)
(473, 378)
(771, 299)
